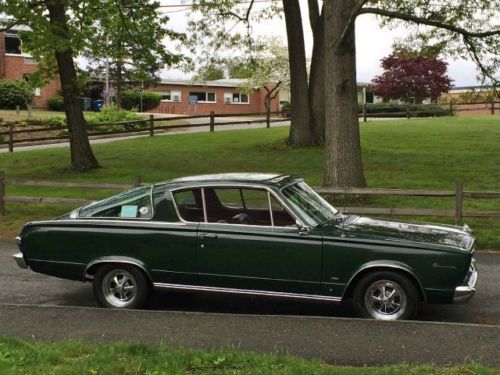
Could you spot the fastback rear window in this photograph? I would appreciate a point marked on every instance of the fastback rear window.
(135, 203)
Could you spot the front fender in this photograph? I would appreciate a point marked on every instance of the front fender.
(384, 264)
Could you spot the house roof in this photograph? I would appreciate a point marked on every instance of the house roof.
(231, 82)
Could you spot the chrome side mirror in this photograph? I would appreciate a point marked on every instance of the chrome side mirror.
(303, 229)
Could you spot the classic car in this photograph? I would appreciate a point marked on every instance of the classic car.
(258, 234)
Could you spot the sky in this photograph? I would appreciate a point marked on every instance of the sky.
(372, 43)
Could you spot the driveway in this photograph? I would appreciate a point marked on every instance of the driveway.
(26, 287)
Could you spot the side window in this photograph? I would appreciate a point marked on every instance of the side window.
(281, 217)
(230, 198)
(237, 206)
(135, 203)
(189, 204)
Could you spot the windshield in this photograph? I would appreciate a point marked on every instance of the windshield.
(314, 209)
(135, 203)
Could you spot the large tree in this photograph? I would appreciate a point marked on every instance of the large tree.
(133, 43)
(61, 31)
(459, 28)
(412, 77)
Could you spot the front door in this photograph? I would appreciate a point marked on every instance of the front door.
(245, 245)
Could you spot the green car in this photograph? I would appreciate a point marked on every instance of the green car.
(257, 234)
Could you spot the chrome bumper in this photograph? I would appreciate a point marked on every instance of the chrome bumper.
(464, 293)
(19, 258)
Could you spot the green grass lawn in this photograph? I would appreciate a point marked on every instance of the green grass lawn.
(414, 154)
(29, 357)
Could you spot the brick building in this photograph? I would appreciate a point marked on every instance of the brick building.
(221, 96)
(15, 64)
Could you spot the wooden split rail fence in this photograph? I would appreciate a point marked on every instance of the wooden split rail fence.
(458, 212)
(11, 136)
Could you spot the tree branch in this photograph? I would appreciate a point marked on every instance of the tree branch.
(352, 18)
(313, 14)
(9, 26)
(428, 22)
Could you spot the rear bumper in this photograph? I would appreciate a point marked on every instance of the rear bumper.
(19, 258)
(464, 293)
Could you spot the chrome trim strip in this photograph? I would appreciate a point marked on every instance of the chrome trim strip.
(270, 208)
(56, 261)
(19, 258)
(386, 265)
(247, 292)
(237, 276)
(111, 221)
(204, 203)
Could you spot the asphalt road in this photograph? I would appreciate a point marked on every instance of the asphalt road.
(20, 286)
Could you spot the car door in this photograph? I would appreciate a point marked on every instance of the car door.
(240, 246)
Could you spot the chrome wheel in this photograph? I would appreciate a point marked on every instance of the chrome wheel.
(119, 288)
(385, 300)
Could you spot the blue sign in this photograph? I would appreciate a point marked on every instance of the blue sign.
(193, 99)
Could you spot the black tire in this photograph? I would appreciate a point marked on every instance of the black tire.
(399, 302)
(130, 292)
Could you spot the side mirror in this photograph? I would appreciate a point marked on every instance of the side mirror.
(303, 229)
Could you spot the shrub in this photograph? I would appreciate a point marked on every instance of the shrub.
(56, 102)
(111, 114)
(132, 100)
(400, 110)
(13, 93)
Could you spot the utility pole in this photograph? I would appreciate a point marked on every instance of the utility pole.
(106, 96)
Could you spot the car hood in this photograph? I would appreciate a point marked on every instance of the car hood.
(429, 235)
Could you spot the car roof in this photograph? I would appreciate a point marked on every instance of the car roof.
(271, 179)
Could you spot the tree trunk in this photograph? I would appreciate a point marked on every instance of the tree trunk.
(300, 129)
(82, 157)
(119, 84)
(316, 84)
(343, 164)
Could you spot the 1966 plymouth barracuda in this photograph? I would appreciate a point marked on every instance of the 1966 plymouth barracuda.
(258, 234)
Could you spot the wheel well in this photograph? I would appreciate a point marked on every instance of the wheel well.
(92, 269)
(352, 284)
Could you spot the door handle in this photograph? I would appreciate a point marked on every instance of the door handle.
(206, 235)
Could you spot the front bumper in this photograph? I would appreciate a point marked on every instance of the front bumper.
(464, 293)
(19, 258)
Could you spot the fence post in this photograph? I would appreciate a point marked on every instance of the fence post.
(459, 199)
(2, 193)
(11, 138)
(151, 125)
(364, 112)
(136, 182)
(212, 121)
(492, 107)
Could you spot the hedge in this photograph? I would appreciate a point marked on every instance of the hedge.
(400, 110)
(132, 100)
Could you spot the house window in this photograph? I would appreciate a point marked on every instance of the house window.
(38, 92)
(203, 97)
(235, 98)
(170, 96)
(12, 44)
